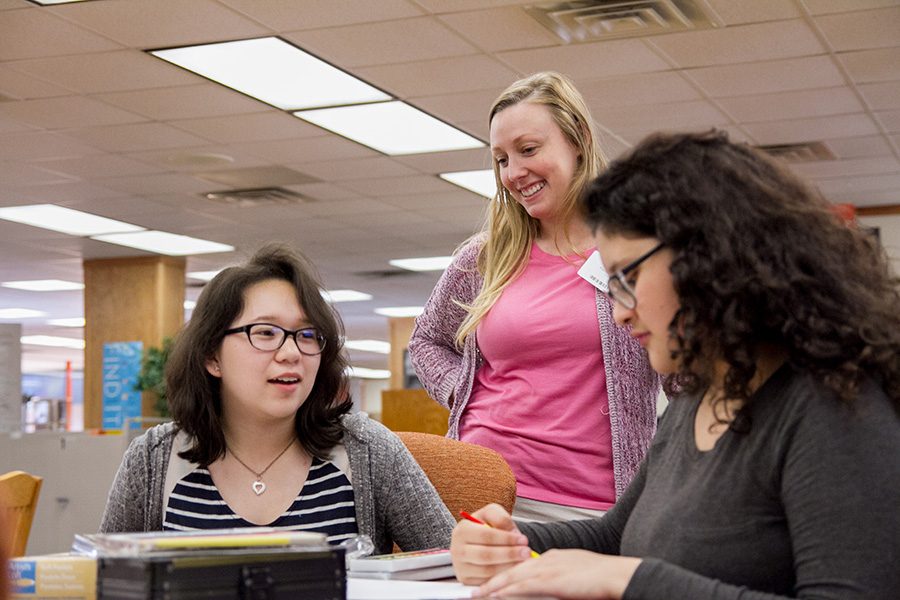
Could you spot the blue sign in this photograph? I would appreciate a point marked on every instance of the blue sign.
(121, 365)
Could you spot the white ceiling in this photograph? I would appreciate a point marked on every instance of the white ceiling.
(90, 121)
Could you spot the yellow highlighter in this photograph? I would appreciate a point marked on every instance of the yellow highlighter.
(469, 517)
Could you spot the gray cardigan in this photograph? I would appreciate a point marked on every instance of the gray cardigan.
(632, 386)
(395, 502)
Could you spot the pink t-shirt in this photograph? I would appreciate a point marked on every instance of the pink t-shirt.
(540, 397)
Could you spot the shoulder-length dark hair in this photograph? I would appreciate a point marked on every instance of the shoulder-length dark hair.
(194, 394)
(759, 260)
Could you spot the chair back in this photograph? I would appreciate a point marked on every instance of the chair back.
(465, 475)
(18, 500)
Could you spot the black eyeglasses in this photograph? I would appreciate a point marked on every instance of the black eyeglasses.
(268, 337)
(619, 289)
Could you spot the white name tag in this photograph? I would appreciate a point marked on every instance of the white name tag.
(592, 270)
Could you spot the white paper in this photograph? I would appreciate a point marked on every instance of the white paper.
(593, 271)
(379, 589)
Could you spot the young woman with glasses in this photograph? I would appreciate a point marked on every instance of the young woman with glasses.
(775, 472)
(262, 431)
(522, 349)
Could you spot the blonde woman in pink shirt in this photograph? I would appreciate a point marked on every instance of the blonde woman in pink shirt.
(521, 349)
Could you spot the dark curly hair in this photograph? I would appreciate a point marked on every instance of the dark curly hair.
(760, 260)
(194, 394)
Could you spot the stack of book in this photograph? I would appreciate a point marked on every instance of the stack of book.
(422, 565)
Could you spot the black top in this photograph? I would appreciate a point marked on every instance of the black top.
(805, 503)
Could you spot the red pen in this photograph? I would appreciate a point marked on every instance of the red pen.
(469, 517)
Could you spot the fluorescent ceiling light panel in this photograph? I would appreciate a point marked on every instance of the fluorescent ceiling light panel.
(43, 285)
(164, 243)
(333, 296)
(427, 263)
(203, 275)
(400, 311)
(364, 373)
(64, 220)
(391, 127)
(67, 322)
(52, 2)
(20, 313)
(189, 305)
(271, 70)
(52, 340)
(482, 182)
(376, 346)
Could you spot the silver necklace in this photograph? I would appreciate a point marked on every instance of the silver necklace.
(258, 486)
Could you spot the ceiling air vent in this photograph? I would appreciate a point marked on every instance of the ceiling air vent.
(800, 153)
(597, 20)
(256, 197)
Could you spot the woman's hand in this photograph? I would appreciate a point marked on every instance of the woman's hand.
(480, 552)
(566, 574)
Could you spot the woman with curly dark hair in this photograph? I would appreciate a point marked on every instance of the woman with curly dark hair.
(776, 469)
(262, 432)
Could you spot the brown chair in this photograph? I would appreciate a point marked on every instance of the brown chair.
(466, 476)
(18, 500)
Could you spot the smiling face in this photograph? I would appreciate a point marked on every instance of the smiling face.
(657, 302)
(265, 386)
(535, 160)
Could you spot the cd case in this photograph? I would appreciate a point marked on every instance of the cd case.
(401, 561)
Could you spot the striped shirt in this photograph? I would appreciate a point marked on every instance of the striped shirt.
(325, 504)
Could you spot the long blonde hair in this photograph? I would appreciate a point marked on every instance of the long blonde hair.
(510, 230)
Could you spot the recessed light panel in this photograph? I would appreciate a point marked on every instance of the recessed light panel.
(20, 313)
(333, 296)
(53, 341)
(67, 322)
(482, 182)
(427, 263)
(274, 71)
(203, 275)
(376, 346)
(364, 373)
(52, 2)
(161, 242)
(400, 311)
(190, 304)
(43, 285)
(393, 128)
(64, 220)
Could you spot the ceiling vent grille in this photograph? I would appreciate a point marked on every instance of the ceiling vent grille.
(597, 20)
(800, 153)
(251, 198)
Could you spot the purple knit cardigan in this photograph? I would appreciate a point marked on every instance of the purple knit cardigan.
(632, 385)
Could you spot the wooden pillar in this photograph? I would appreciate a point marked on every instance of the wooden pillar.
(127, 299)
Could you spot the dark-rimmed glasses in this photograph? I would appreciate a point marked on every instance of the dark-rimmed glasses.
(268, 337)
(619, 289)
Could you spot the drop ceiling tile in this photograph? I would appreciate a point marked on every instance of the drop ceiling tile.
(391, 186)
(362, 206)
(860, 185)
(890, 120)
(450, 197)
(98, 166)
(33, 33)
(199, 158)
(595, 60)
(42, 145)
(260, 126)
(880, 198)
(735, 13)
(15, 175)
(862, 30)
(136, 137)
(308, 150)
(62, 193)
(384, 42)
(106, 71)
(362, 168)
(66, 112)
(460, 107)
(881, 96)
(10, 126)
(767, 77)
(829, 169)
(445, 162)
(809, 130)
(633, 90)
(186, 102)
(11, 4)
(325, 191)
(672, 116)
(162, 23)
(446, 75)
(821, 7)
(792, 105)
(24, 87)
(451, 6)
(870, 66)
(284, 15)
(860, 147)
(497, 29)
(160, 183)
(740, 44)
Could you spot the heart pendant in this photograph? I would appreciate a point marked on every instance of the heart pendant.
(258, 487)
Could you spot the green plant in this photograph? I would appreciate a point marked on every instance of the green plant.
(152, 376)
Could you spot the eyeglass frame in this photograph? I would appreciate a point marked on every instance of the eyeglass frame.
(285, 334)
(622, 284)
